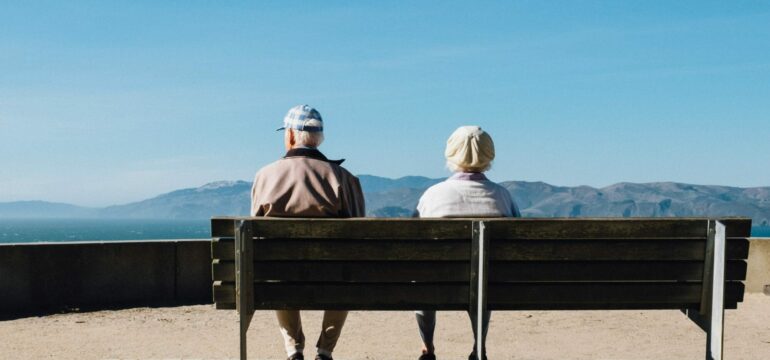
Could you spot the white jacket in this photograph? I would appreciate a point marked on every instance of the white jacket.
(467, 195)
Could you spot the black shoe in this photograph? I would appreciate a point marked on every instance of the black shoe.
(297, 356)
(472, 356)
(322, 357)
(427, 357)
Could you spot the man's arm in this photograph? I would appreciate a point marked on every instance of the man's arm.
(356, 200)
(256, 208)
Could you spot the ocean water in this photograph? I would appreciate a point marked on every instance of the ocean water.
(20, 231)
(760, 231)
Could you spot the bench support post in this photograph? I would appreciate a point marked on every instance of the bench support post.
(478, 286)
(710, 316)
(244, 280)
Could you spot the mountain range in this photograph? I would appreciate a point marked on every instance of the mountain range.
(398, 197)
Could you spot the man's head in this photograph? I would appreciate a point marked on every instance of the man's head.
(469, 149)
(303, 127)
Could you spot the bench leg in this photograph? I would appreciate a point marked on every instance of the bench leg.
(245, 320)
(244, 280)
(710, 317)
(716, 310)
(478, 286)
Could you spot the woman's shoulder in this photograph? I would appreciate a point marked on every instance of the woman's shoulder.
(438, 189)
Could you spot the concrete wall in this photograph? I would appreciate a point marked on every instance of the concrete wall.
(758, 272)
(51, 277)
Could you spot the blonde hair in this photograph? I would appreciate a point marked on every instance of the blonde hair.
(469, 149)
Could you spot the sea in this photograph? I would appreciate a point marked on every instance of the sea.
(59, 230)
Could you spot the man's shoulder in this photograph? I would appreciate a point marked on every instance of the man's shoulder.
(271, 167)
(285, 165)
(344, 171)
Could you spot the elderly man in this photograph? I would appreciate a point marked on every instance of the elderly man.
(304, 183)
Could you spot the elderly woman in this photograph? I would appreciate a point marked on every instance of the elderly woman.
(467, 193)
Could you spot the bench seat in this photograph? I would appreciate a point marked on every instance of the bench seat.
(478, 264)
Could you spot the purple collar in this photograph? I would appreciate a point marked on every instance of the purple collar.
(474, 176)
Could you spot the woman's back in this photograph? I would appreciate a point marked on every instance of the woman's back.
(467, 195)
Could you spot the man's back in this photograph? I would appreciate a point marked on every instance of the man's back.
(306, 184)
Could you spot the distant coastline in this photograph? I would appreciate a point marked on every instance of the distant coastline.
(184, 213)
(67, 230)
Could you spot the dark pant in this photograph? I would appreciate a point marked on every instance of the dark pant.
(426, 320)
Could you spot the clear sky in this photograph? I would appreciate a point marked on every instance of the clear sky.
(107, 102)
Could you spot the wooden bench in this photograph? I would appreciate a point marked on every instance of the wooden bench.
(696, 265)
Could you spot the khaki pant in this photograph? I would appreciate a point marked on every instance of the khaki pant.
(294, 338)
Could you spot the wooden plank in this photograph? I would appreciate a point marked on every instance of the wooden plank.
(223, 248)
(543, 296)
(224, 306)
(532, 228)
(350, 249)
(407, 296)
(583, 250)
(222, 227)
(355, 271)
(356, 296)
(457, 271)
(737, 248)
(544, 271)
(362, 228)
(224, 292)
(551, 295)
(608, 228)
(454, 250)
(601, 306)
(737, 227)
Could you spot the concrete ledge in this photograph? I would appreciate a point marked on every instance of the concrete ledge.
(52, 277)
(758, 270)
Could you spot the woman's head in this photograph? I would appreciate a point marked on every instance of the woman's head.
(469, 149)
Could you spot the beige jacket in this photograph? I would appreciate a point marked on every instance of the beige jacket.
(306, 184)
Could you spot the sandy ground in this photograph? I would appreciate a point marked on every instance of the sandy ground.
(200, 332)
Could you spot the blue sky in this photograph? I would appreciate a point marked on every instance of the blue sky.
(104, 103)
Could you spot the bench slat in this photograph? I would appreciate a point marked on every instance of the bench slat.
(344, 297)
(355, 249)
(441, 271)
(456, 250)
(224, 295)
(223, 227)
(571, 250)
(223, 248)
(363, 228)
(502, 271)
(610, 228)
(357, 271)
(498, 228)
(517, 296)
(542, 296)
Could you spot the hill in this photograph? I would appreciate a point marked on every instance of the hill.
(398, 197)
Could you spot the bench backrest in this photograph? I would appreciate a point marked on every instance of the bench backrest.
(408, 264)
